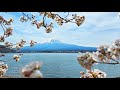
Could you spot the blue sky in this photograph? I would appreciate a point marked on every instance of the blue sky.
(99, 28)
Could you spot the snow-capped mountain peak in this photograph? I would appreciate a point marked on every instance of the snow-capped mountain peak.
(51, 41)
(56, 45)
(54, 41)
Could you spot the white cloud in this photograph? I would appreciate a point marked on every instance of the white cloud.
(98, 28)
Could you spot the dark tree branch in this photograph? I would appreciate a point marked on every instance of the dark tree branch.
(4, 25)
(44, 20)
(2, 28)
(67, 15)
(114, 63)
(26, 15)
(65, 19)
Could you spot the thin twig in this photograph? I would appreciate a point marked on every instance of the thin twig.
(108, 63)
(65, 19)
(3, 28)
(26, 15)
(115, 61)
(44, 20)
(67, 15)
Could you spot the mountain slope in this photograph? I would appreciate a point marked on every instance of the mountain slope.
(55, 45)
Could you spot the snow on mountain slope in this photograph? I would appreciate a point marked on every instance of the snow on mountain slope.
(55, 45)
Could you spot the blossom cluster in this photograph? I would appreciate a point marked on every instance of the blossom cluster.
(3, 68)
(7, 22)
(32, 43)
(8, 45)
(48, 27)
(32, 70)
(20, 44)
(2, 38)
(6, 28)
(78, 19)
(96, 73)
(17, 57)
(8, 32)
(86, 61)
(104, 54)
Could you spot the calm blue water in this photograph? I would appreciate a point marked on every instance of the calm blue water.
(55, 65)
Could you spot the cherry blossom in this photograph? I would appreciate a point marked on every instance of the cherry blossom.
(8, 31)
(32, 43)
(32, 70)
(2, 38)
(8, 44)
(96, 73)
(104, 55)
(86, 61)
(3, 68)
(17, 57)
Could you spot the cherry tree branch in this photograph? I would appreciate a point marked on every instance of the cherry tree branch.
(65, 19)
(112, 63)
(26, 15)
(66, 15)
(4, 25)
(44, 20)
(2, 28)
(115, 61)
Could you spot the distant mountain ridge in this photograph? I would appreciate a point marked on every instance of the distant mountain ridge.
(3, 49)
(56, 45)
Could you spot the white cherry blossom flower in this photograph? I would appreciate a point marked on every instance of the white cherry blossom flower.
(32, 70)
(3, 68)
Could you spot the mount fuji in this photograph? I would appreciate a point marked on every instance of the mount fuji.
(56, 45)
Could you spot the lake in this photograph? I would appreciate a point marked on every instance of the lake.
(55, 65)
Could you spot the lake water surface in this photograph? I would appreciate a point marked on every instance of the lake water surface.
(55, 65)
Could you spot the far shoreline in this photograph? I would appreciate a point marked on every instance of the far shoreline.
(51, 52)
